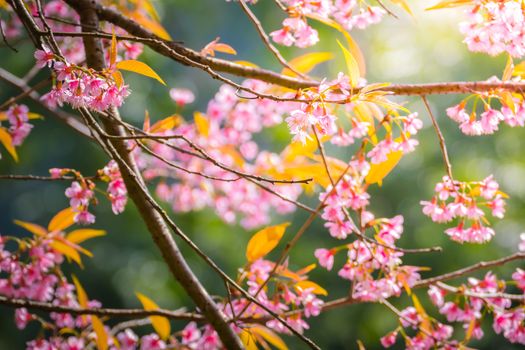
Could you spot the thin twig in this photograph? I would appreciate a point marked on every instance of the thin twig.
(266, 39)
(442, 145)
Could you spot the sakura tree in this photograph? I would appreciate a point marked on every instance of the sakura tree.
(346, 135)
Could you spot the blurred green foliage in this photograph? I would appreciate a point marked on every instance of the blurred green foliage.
(426, 48)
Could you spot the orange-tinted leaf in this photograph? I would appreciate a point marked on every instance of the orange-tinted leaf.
(62, 220)
(166, 124)
(67, 251)
(233, 153)
(7, 141)
(316, 289)
(265, 241)
(139, 68)
(225, 48)
(215, 45)
(379, 171)
(149, 24)
(102, 336)
(81, 235)
(33, 228)
(161, 324)
(202, 123)
(351, 65)
(270, 336)
(307, 62)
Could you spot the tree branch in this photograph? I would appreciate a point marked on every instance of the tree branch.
(131, 313)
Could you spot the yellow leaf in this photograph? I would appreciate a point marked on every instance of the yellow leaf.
(32, 116)
(113, 50)
(352, 45)
(316, 289)
(351, 65)
(307, 62)
(379, 171)
(404, 5)
(166, 124)
(102, 336)
(306, 269)
(3, 4)
(62, 220)
(150, 9)
(247, 64)
(449, 4)
(471, 326)
(81, 235)
(270, 336)
(519, 70)
(296, 149)
(81, 293)
(265, 241)
(7, 141)
(202, 123)
(139, 68)
(67, 251)
(149, 24)
(161, 324)
(425, 322)
(248, 340)
(117, 76)
(146, 124)
(33, 228)
(509, 68)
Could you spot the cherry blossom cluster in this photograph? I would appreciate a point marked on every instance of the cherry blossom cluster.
(32, 271)
(347, 13)
(116, 190)
(408, 125)
(465, 202)
(81, 192)
(374, 266)
(224, 133)
(512, 113)
(495, 27)
(436, 334)
(79, 86)
(19, 126)
(349, 193)
(470, 305)
(292, 291)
